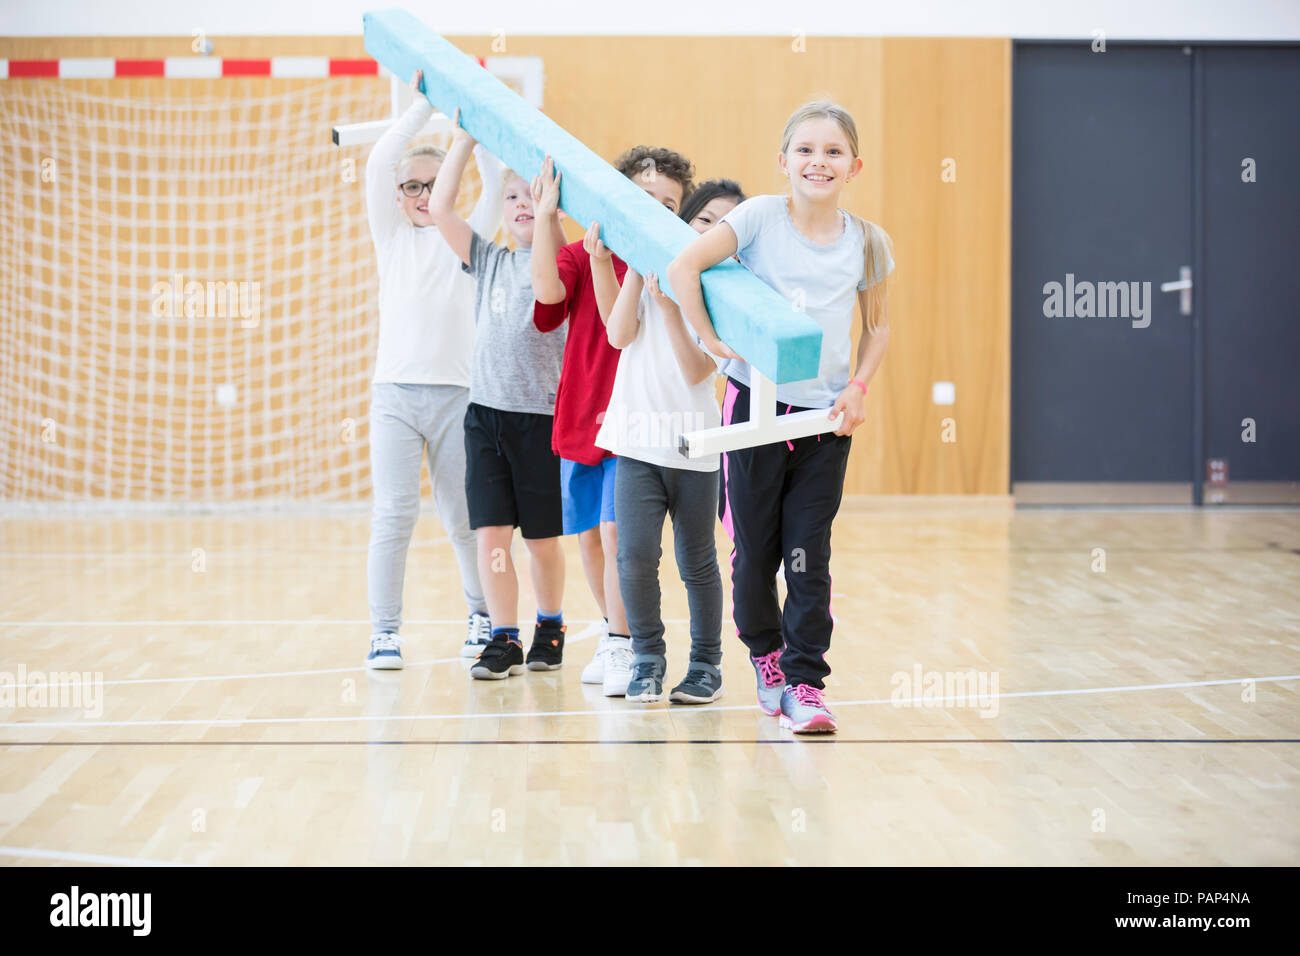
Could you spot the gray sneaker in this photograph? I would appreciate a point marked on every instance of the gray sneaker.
(771, 682)
(647, 683)
(803, 710)
(702, 685)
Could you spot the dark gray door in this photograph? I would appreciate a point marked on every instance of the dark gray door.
(1102, 361)
(1249, 293)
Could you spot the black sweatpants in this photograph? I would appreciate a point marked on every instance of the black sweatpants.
(778, 502)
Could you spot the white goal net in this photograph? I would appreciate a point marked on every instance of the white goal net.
(187, 291)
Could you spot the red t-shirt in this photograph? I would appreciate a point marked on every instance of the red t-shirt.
(587, 376)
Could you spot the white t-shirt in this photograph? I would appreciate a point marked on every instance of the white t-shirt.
(426, 303)
(825, 280)
(651, 405)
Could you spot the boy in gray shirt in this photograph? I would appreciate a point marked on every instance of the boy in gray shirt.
(512, 478)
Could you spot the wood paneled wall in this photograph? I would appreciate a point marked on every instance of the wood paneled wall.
(723, 102)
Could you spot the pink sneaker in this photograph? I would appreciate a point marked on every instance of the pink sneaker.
(771, 681)
(803, 710)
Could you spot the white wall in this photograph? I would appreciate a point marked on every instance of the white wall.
(1120, 19)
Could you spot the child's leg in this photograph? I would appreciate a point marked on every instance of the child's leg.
(444, 431)
(751, 506)
(490, 495)
(535, 474)
(614, 609)
(496, 569)
(396, 447)
(641, 502)
(547, 570)
(580, 497)
(693, 504)
(593, 566)
(816, 485)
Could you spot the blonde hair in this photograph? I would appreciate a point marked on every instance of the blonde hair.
(877, 245)
(422, 150)
(509, 174)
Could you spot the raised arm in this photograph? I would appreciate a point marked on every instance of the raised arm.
(381, 167)
(548, 287)
(442, 202)
(704, 252)
(604, 280)
(694, 362)
(625, 318)
(486, 216)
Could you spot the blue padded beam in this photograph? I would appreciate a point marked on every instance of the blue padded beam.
(750, 316)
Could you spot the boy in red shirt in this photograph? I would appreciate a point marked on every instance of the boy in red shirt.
(568, 284)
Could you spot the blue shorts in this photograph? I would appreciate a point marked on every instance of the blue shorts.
(587, 494)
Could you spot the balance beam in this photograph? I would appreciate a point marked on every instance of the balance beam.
(779, 343)
(524, 70)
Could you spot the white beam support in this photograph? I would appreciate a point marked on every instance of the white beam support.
(764, 426)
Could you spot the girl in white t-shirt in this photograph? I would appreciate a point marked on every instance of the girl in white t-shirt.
(664, 387)
(421, 384)
(781, 499)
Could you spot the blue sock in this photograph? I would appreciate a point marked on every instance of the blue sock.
(556, 618)
(509, 633)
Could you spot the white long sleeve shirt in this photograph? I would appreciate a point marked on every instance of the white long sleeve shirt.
(426, 302)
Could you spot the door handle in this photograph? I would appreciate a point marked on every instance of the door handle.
(1183, 286)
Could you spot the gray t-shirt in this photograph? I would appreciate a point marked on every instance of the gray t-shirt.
(515, 368)
(824, 279)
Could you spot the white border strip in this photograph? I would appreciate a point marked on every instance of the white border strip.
(300, 67)
(91, 68)
(191, 68)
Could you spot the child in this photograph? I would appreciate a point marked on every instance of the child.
(664, 387)
(512, 477)
(781, 498)
(421, 384)
(565, 285)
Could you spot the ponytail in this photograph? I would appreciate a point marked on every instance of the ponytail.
(878, 253)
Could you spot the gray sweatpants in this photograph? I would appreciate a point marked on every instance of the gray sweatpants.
(405, 421)
(643, 495)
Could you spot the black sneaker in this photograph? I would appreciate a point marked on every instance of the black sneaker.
(502, 658)
(702, 685)
(547, 652)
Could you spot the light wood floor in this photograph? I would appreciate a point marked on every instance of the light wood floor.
(238, 726)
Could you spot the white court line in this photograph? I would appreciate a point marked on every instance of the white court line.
(32, 853)
(188, 555)
(591, 630)
(639, 712)
(247, 623)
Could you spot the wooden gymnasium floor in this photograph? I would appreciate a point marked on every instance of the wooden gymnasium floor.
(239, 728)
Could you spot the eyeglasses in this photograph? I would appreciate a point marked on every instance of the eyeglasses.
(413, 187)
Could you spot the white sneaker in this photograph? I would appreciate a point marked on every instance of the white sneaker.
(478, 635)
(594, 672)
(618, 666)
(385, 652)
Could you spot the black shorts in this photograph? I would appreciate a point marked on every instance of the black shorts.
(512, 478)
